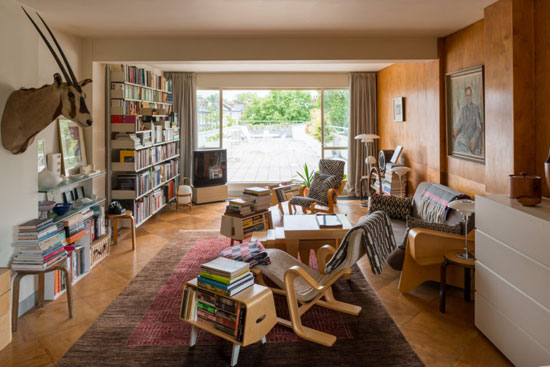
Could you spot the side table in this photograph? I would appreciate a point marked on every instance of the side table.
(450, 258)
(126, 215)
(60, 265)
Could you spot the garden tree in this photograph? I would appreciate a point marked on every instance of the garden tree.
(280, 106)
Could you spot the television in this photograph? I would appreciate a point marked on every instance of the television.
(209, 167)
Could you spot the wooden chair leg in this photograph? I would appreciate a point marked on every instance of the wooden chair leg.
(15, 304)
(40, 302)
(133, 224)
(69, 289)
(289, 208)
(115, 231)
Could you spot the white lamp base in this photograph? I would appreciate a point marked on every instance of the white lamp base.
(465, 256)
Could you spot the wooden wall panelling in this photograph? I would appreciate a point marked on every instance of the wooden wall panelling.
(542, 85)
(499, 98)
(524, 86)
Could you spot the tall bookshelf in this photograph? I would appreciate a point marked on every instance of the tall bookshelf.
(142, 140)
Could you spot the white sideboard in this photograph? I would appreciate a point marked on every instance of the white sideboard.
(512, 304)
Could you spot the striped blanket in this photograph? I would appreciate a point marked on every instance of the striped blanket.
(377, 240)
(434, 200)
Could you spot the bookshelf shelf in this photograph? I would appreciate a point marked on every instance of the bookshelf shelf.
(151, 131)
(74, 211)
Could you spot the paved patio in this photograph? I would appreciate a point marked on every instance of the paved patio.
(271, 159)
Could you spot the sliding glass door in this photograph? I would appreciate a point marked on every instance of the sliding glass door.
(271, 134)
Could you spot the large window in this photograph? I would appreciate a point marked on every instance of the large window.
(271, 134)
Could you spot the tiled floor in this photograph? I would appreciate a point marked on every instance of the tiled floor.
(45, 335)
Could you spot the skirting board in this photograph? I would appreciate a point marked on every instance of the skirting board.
(210, 194)
(28, 303)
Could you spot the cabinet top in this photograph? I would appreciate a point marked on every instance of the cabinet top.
(541, 210)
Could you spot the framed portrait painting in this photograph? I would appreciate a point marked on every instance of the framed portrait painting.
(72, 146)
(464, 99)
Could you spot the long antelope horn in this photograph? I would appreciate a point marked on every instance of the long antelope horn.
(49, 47)
(75, 81)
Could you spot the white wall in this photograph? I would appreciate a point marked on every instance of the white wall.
(24, 62)
(272, 80)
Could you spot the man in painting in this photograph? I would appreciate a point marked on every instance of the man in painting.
(467, 130)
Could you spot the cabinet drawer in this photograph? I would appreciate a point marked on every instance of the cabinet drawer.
(517, 269)
(516, 306)
(511, 340)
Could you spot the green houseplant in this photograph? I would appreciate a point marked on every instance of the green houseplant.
(306, 176)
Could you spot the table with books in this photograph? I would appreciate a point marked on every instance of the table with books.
(223, 300)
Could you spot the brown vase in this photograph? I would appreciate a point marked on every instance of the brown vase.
(547, 172)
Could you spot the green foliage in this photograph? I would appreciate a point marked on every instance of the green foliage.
(306, 176)
(280, 105)
(337, 108)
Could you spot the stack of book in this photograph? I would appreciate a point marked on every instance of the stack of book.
(40, 244)
(260, 196)
(392, 185)
(239, 207)
(225, 276)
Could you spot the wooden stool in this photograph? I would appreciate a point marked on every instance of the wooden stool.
(60, 265)
(126, 215)
(467, 264)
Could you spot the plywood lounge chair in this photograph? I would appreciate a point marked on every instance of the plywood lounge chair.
(305, 287)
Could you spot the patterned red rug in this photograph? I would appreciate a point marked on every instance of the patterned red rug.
(161, 324)
(141, 327)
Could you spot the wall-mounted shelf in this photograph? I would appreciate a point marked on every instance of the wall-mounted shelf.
(70, 181)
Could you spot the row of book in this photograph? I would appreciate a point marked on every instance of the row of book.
(151, 203)
(392, 184)
(146, 157)
(125, 91)
(286, 192)
(130, 107)
(147, 78)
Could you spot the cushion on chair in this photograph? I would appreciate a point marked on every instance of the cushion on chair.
(280, 263)
(303, 201)
(333, 167)
(395, 207)
(319, 187)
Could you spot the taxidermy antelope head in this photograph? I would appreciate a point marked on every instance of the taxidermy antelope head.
(29, 111)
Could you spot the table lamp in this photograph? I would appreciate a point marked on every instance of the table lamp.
(401, 171)
(466, 207)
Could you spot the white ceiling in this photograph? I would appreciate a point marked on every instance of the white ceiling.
(270, 66)
(259, 18)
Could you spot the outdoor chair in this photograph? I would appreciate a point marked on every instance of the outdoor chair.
(305, 287)
(324, 189)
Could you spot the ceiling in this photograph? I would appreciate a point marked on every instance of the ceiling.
(259, 18)
(270, 66)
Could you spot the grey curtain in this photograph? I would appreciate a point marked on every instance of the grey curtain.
(184, 93)
(362, 121)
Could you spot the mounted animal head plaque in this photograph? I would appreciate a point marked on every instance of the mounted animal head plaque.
(29, 111)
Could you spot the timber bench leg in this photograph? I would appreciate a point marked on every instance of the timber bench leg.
(15, 305)
(67, 273)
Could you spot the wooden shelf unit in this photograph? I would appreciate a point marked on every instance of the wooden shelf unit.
(237, 228)
(259, 319)
(131, 100)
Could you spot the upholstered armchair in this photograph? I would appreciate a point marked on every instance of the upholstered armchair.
(323, 192)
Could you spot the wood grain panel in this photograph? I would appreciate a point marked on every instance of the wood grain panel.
(463, 49)
(542, 85)
(499, 100)
(419, 133)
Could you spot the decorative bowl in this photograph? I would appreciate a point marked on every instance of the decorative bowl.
(62, 208)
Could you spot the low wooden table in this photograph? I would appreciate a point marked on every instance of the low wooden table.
(260, 316)
(302, 233)
(451, 258)
(60, 265)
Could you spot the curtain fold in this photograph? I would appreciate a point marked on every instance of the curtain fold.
(363, 120)
(184, 94)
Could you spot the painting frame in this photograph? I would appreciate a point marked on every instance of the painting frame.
(398, 107)
(72, 146)
(41, 146)
(465, 114)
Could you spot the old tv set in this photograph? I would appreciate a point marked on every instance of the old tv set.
(209, 167)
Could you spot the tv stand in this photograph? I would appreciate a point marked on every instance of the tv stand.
(209, 194)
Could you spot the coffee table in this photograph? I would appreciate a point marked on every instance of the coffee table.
(304, 230)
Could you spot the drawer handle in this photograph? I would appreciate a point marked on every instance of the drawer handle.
(260, 319)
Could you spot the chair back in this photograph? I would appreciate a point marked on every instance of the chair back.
(354, 252)
(333, 167)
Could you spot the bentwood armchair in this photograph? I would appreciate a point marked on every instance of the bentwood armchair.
(324, 190)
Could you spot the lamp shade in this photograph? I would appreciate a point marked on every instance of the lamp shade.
(465, 206)
(367, 138)
(400, 171)
(185, 190)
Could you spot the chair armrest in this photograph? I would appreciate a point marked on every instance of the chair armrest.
(331, 195)
(323, 255)
(427, 246)
(302, 190)
(294, 272)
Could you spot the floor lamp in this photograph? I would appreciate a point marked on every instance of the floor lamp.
(371, 154)
(467, 208)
